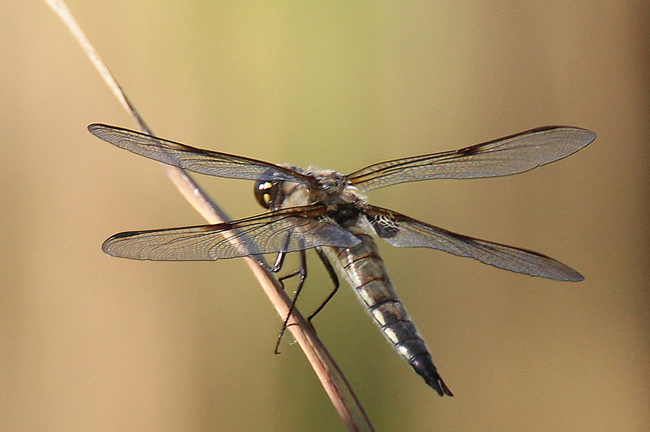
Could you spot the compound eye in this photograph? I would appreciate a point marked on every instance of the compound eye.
(265, 192)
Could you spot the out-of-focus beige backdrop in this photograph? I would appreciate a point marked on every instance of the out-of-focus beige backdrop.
(88, 342)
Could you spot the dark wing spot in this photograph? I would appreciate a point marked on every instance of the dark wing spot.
(384, 226)
(345, 215)
(469, 151)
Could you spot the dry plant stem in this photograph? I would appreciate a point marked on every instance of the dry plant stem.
(329, 374)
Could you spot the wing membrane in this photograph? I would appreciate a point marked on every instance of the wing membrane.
(286, 230)
(194, 159)
(403, 231)
(505, 156)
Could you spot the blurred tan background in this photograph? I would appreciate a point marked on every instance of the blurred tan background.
(93, 343)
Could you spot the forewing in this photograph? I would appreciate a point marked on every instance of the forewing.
(403, 231)
(194, 159)
(505, 156)
(287, 231)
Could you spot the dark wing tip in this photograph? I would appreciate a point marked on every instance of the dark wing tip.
(586, 132)
(587, 136)
(576, 277)
(590, 135)
(559, 271)
(107, 246)
(93, 128)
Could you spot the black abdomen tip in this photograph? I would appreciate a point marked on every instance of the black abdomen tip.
(423, 365)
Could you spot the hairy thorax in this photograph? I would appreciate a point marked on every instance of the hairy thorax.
(334, 190)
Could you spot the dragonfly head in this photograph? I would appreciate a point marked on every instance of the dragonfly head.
(268, 193)
(274, 192)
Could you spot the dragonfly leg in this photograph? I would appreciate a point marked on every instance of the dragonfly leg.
(289, 276)
(279, 260)
(302, 271)
(335, 280)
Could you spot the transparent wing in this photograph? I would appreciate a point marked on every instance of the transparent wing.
(284, 231)
(194, 159)
(505, 156)
(403, 231)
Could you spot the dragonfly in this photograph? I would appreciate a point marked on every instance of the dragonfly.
(329, 212)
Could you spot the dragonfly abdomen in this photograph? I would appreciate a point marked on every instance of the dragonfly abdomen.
(366, 272)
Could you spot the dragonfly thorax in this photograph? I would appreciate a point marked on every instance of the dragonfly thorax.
(327, 187)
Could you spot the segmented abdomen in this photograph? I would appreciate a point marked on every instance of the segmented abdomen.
(365, 271)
